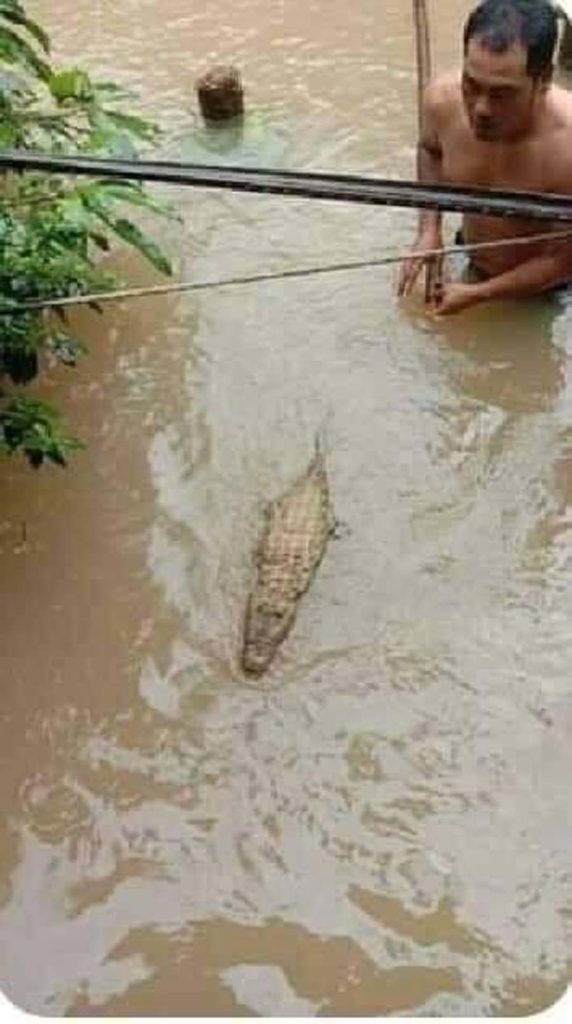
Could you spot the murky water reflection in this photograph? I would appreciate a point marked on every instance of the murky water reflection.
(381, 825)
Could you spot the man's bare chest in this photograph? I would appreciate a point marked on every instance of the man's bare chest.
(469, 162)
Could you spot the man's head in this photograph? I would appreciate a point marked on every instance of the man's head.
(508, 55)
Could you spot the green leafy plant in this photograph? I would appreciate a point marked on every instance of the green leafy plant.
(54, 230)
(34, 428)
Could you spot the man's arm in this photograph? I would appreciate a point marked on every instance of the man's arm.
(429, 170)
(534, 276)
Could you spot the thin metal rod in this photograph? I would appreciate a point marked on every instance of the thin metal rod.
(191, 286)
(423, 50)
(434, 267)
(309, 185)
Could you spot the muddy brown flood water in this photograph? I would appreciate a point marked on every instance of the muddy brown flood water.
(383, 823)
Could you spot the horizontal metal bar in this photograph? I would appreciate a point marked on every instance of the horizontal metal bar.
(311, 185)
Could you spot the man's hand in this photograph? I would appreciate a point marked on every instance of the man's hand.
(455, 297)
(413, 265)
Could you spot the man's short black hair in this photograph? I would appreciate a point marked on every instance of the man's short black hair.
(501, 24)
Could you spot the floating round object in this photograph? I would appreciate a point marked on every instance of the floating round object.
(220, 93)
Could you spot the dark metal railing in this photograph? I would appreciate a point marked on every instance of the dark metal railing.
(307, 185)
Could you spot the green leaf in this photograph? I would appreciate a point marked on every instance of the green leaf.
(14, 13)
(15, 50)
(137, 126)
(107, 137)
(113, 89)
(133, 235)
(65, 348)
(71, 84)
(9, 135)
(131, 192)
(100, 240)
(11, 84)
(129, 232)
(34, 428)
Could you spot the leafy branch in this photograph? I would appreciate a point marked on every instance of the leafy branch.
(54, 230)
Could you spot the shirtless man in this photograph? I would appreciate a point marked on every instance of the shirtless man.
(501, 123)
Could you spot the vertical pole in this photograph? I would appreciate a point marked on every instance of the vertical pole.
(423, 50)
(433, 269)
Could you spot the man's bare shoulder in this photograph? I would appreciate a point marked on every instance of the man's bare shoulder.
(443, 94)
(559, 139)
(561, 106)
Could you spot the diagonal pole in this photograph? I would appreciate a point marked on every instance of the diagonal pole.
(434, 268)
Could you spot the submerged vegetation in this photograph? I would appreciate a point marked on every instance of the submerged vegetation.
(54, 230)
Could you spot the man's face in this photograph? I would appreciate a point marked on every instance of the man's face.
(498, 93)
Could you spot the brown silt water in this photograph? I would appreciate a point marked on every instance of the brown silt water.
(380, 824)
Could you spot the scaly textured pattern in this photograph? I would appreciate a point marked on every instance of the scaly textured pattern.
(290, 550)
(295, 538)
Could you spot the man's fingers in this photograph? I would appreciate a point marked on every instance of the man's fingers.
(430, 282)
(434, 280)
(403, 278)
(410, 270)
(437, 290)
(409, 273)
